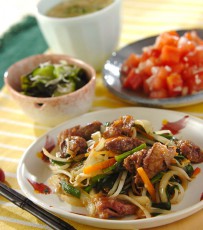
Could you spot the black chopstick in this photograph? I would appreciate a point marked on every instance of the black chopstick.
(21, 201)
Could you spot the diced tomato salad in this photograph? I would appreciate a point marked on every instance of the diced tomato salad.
(171, 67)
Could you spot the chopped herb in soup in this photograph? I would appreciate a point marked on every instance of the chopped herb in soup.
(51, 80)
(73, 8)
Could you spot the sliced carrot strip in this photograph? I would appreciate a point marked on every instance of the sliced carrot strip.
(145, 134)
(148, 185)
(196, 172)
(99, 166)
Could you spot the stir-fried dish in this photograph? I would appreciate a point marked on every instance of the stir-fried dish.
(122, 168)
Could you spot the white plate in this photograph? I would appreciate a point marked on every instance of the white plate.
(111, 77)
(32, 167)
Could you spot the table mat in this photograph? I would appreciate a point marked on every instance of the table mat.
(21, 40)
(140, 19)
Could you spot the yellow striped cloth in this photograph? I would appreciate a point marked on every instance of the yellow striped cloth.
(140, 19)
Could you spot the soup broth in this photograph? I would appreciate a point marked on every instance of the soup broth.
(73, 8)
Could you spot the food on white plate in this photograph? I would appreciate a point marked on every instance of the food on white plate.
(122, 168)
(171, 67)
(53, 79)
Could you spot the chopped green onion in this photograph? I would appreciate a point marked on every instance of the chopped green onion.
(181, 157)
(94, 180)
(58, 162)
(189, 169)
(122, 156)
(157, 177)
(113, 167)
(89, 188)
(162, 205)
(167, 135)
(97, 178)
(70, 189)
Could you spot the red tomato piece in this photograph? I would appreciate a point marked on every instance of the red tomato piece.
(168, 38)
(199, 55)
(195, 57)
(195, 83)
(170, 55)
(150, 53)
(188, 71)
(192, 36)
(131, 62)
(159, 80)
(146, 87)
(177, 68)
(133, 80)
(199, 81)
(145, 67)
(174, 84)
(185, 46)
(189, 83)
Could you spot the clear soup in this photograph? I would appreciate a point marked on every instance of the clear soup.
(73, 8)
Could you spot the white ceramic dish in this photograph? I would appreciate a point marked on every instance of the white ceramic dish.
(83, 37)
(111, 77)
(50, 111)
(33, 168)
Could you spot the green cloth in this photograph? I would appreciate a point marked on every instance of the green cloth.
(22, 40)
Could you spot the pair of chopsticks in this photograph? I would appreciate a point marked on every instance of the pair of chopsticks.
(21, 201)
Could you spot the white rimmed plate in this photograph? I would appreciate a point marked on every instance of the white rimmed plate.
(111, 77)
(33, 168)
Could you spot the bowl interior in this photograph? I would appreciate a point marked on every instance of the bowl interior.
(13, 75)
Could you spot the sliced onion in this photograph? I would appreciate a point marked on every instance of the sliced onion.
(115, 186)
(77, 181)
(179, 194)
(163, 140)
(142, 200)
(100, 145)
(57, 167)
(96, 136)
(146, 125)
(181, 171)
(53, 157)
(121, 184)
(63, 172)
(161, 132)
(165, 181)
(133, 201)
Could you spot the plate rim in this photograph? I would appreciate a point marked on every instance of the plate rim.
(180, 214)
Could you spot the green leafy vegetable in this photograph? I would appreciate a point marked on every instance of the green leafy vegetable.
(51, 80)
(189, 169)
